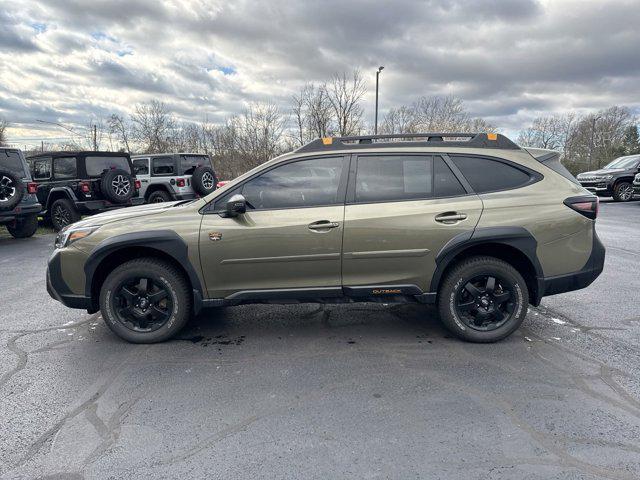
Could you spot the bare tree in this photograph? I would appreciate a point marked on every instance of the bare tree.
(345, 94)
(153, 126)
(121, 129)
(3, 131)
(400, 120)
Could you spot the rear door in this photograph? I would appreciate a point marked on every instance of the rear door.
(401, 211)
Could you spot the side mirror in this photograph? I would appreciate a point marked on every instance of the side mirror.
(237, 205)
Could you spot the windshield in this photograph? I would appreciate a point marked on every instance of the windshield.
(188, 163)
(96, 165)
(11, 160)
(623, 162)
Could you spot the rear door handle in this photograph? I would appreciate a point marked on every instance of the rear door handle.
(323, 225)
(451, 217)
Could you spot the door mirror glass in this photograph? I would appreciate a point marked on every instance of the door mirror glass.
(237, 205)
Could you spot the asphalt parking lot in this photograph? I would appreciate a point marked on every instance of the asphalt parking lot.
(350, 391)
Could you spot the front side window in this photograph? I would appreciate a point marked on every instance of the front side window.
(12, 161)
(307, 183)
(97, 165)
(41, 168)
(163, 166)
(487, 175)
(393, 178)
(64, 168)
(141, 167)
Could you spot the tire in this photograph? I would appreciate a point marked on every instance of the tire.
(63, 213)
(204, 180)
(117, 185)
(457, 304)
(11, 190)
(122, 310)
(159, 196)
(24, 227)
(623, 192)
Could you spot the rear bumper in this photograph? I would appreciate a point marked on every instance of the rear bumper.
(20, 211)
(93, 206)
(60, 291)
(576, 280)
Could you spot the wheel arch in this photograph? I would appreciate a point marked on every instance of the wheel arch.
(57, 193)
(514, 245)
(155, 187)
(112, 252)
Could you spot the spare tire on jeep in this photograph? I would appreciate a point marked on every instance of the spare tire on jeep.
(11, 190)
(117, 185)
(204, 180)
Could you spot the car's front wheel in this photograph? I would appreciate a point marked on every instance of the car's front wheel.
(483, 299)
(24, 227)
(145, 300)
(623, 192)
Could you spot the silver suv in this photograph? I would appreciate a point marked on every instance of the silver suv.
(166, 177)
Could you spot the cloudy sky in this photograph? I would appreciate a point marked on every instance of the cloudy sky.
(74, 61)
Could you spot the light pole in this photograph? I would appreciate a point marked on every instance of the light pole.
(375, 128)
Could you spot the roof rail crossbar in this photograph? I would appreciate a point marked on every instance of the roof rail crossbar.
(458, 139)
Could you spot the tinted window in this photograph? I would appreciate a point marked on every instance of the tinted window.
(306, 183)
(41, 168)
(395, 177)
(163, 166)
(188, 163)
(64, 167)
(96, 165)
(487, 175)
(11, 160)
(141, 167)
(445, 183)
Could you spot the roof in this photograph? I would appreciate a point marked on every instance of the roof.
(147, 155)
(84, 153)
(426, 140)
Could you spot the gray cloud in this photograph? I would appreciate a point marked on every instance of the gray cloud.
(510, 60)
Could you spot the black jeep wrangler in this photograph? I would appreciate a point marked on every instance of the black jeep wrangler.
(71, 184)
(19, 206)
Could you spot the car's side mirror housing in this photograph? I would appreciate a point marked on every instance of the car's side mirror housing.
(236, 205)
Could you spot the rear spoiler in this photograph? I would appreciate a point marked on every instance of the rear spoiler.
(551, 159)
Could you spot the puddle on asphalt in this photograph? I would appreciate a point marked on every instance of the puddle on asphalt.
(215, 340)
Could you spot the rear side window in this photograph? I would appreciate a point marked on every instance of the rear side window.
(96, 165)
(64, 167)
(163, 166)
(393, 177)
(487, 175)
(41, 168)
(188, 163)
(11, 160)
(445, 182)
(141, 167)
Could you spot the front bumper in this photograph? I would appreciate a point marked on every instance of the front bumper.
(602, 187)
(576, 280)
(636, 188)
(60, 291)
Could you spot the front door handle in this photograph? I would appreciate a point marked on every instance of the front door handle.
(451, 217)
(323, 225)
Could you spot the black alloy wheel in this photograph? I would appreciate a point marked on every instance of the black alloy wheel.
(141, 304)
(485, 302)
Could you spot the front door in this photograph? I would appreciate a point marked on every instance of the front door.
(401, 210)
(289, 239)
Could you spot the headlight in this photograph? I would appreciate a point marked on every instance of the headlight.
(68, 235)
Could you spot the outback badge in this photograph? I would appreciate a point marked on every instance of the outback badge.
(215, 236)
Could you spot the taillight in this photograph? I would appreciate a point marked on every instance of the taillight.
(587, 206)
(85, 187)
(180, 182)
(137, 184)
(32, 187)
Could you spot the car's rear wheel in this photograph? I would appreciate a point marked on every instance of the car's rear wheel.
(63, 213)
(623, 192)
(24, 227)
(159, 196)
(483, 299)
(145, 300)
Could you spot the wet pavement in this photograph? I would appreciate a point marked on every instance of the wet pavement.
(308, 391)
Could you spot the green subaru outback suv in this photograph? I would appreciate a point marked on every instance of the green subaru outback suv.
(472, 223)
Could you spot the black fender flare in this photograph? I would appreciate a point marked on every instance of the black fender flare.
(165, 241)
(66, 191)
(517, 237)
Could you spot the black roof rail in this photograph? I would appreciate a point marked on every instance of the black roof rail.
(473, 140)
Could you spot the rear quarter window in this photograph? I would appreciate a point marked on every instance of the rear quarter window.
(11, 160)
(489, 175)
(97, 165)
